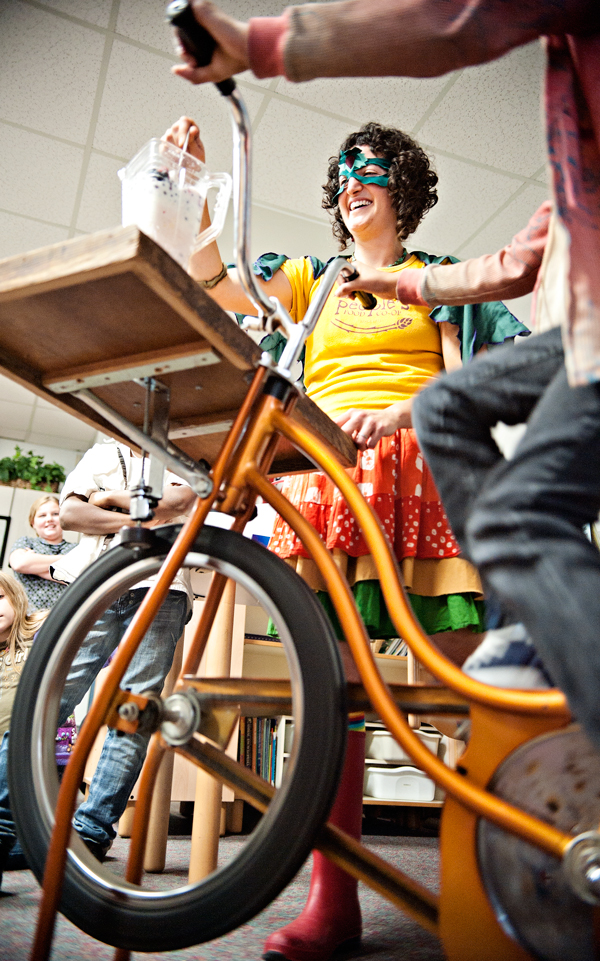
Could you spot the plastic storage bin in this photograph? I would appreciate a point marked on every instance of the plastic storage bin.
(381, 746)
(403, 783)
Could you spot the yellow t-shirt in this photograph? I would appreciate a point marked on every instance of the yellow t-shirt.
(360, 358)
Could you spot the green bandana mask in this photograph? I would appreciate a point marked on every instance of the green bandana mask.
(353, 160)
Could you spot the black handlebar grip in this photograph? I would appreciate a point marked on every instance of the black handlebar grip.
(197, 41)
(368, 301)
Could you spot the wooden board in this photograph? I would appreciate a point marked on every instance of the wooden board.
(113, 301)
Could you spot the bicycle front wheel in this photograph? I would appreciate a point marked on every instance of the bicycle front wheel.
(94, 897)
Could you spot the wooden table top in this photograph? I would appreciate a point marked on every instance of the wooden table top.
(97, 306)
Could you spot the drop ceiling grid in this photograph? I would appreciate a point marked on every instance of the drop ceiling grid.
(100, 86)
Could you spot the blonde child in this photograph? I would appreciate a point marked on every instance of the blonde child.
(17, 630)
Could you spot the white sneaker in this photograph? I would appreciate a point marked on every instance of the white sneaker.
(507, 658)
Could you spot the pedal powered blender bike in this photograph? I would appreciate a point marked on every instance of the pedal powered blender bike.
(520, 850)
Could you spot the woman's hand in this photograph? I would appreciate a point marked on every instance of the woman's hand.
(231, 53)
(367, 427)
(177, 133)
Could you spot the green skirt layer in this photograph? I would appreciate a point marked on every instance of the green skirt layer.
(448, 612)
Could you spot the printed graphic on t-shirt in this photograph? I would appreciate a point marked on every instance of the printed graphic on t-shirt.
(387, 315)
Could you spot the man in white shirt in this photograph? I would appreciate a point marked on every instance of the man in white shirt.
(100, 482)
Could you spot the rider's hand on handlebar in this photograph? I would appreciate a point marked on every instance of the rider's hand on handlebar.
(231, 54)
(177, 133)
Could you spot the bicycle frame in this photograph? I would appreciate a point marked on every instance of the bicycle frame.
(502, 719)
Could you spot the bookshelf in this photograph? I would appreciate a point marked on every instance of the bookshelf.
(265, 658)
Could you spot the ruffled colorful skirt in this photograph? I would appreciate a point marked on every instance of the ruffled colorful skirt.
(444, 589)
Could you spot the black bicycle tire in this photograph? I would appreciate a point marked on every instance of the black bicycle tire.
(284, 836)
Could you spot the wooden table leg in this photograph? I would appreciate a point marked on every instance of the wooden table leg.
(158, 825)
(209, 792)
(126, 820)
(235, 815)
(413, 671)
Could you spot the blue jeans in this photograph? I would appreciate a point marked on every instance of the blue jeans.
(122, 755)
(520, 521)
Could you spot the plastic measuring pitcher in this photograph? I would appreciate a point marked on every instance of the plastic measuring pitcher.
(163, 193)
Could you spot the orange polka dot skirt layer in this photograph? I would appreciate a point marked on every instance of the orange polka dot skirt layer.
(396, 482)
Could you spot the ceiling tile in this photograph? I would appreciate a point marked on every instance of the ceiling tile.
(492, 113)
(61, 440)
(56, 423)
(248, 81)
(144, 20)
(10, 390)
(101, 200)
(28, 186)
(287, 234)
(244, 9)
(18, 235)
(45, 404)
(12, 433)
(16, 416)
(141, 99)
(57, 94)
(468, 195)
(506, 223)
(281, 231)
(292, 147)
(94, 11)
(393, 101)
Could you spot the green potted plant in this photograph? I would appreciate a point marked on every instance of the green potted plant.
(29, 470)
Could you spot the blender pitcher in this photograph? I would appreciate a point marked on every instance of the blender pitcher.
(163, 193)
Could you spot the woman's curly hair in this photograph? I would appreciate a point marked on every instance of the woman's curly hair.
(411, 183)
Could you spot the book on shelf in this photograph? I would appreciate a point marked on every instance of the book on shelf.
(258, 745)
(248, 743)
(393, 645)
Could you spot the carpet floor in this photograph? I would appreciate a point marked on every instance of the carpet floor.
(388, 934)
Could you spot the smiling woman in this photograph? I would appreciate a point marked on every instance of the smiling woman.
(31, 557)
(363, 368)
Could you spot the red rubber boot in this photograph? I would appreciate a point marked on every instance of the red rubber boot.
(331, 916)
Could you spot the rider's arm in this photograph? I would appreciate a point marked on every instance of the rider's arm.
(207, 263)
(511, 272)
(411, 38)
